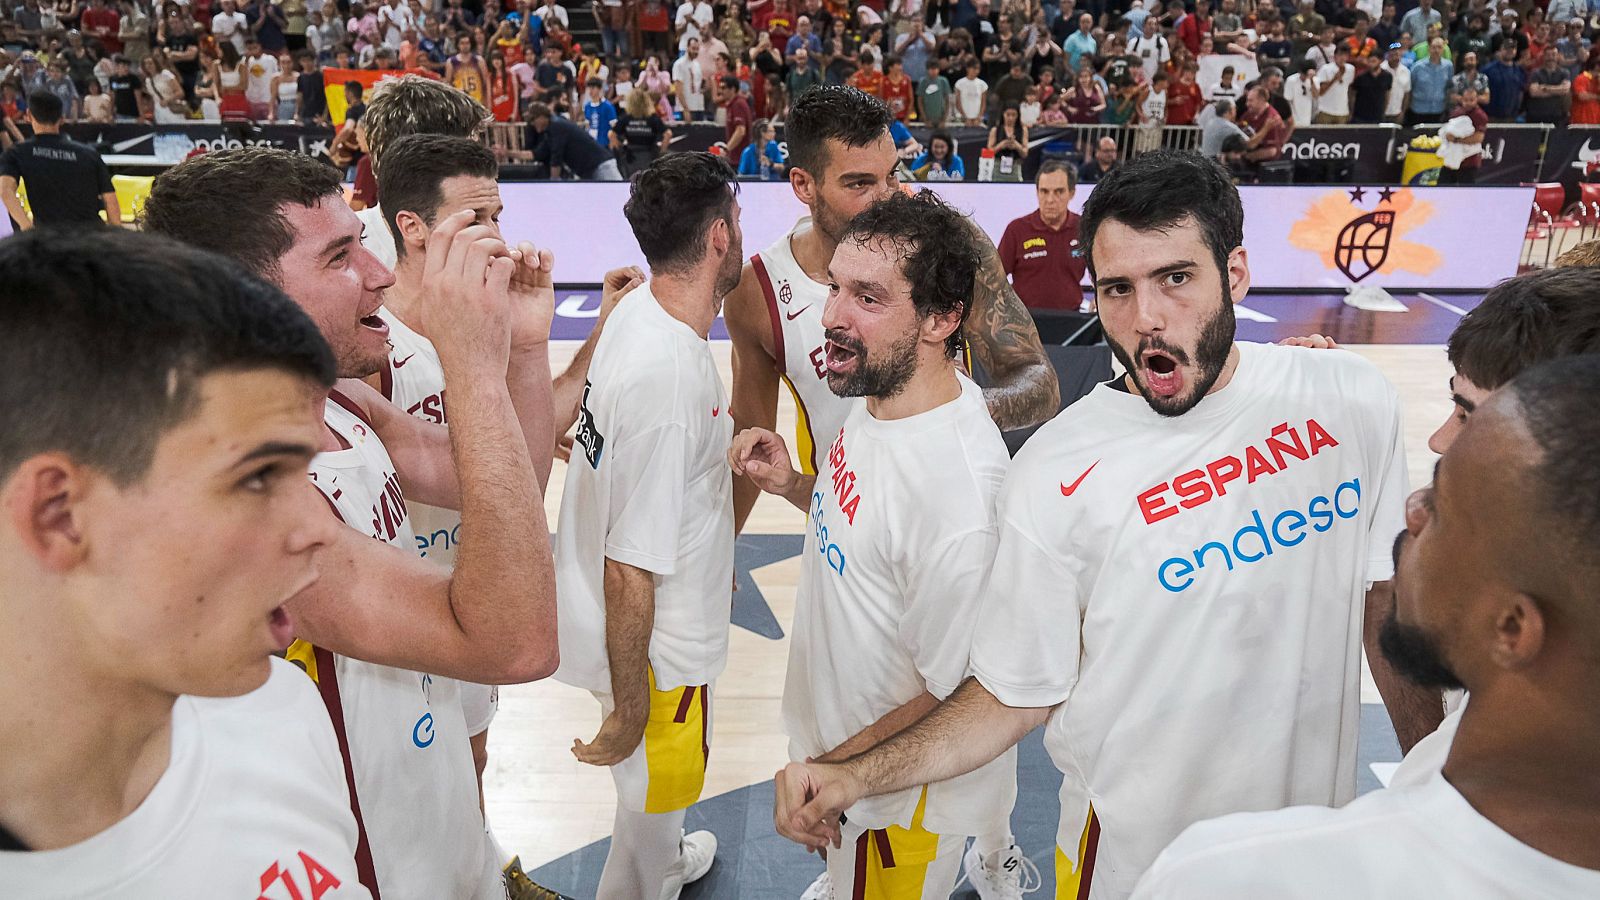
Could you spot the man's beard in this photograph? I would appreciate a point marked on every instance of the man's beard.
(881, 379)
(1210, 356)
(728, 275)
(1415, 654)
(832, 225)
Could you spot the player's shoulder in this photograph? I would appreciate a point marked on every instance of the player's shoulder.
(1242, 850)
(1343, 368)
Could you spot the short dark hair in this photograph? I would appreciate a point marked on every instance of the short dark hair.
(1162, 188)
(730, 82)
(1526, 320)
(595, 83)
(832, 111)
(672, 202)
(105, 335)
(229, 202)
(1557, 400)
(1058, 165)
(422, 162)
(939, 254)
(354, 85)
(536, 110)
(45, 107)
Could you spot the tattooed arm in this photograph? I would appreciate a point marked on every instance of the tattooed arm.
(1022, 389)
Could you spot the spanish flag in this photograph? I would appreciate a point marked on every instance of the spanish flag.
(334, 80)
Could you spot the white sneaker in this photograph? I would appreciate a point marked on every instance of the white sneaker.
(696, 850)
(821, 889)
(1005, 875)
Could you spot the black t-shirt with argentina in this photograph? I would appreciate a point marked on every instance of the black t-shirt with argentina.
(64, 179)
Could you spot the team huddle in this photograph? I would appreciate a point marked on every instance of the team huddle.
(245, 682)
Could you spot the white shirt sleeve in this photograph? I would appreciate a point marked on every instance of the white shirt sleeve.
(1025, 643)
(1389, 506)
(944, 594)
(647, 488)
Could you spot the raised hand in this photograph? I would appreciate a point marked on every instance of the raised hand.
(466, 277)
(532, 295)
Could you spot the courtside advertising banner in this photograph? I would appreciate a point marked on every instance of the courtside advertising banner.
(1326, 238)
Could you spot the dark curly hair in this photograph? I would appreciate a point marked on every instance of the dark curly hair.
(832, 111)
(230, 202)
(938, 254)
(1162, 188)
(672, 202)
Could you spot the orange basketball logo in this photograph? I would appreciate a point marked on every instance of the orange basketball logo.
(1359, 241)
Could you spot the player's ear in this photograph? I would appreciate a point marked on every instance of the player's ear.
(1238, 274)
(804, 186)
(43, 507)
(939, 326)
(413, 230)
(1519, 632)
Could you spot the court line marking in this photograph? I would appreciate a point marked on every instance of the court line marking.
(1251, 315)
(1441, 304)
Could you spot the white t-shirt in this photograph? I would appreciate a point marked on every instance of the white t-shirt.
(230, 27)
(688, 73)
(1153, 53)
(1427, 756)
(413, 380)
(648, 486)
(1336, 102)
(969, 96)
(406, 730)
(890, 586)
(376, 236)
(1422, 841)
(693, 20)
(1153, 110)
(1399, 87)
(254, 787)
(1301, 92)
(394, 20)
(558, 13)
(261, 70)
(1197, 611)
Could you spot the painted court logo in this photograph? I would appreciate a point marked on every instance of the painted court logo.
(1357, 240)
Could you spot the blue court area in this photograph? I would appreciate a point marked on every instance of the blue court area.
(1428, 319)
(754, 863)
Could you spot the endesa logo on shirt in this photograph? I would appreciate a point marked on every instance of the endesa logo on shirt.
(1261, 534)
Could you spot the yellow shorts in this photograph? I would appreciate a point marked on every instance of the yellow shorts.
(1074, 873)
(668, 770)
(896, 863)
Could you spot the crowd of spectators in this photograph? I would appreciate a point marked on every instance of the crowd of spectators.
(629, 71)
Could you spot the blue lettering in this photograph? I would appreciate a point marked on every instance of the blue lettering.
(1256, 529)
(1319, 511)
(1301, 523)
(1185, 571)
(1353, 485)
(422, 732)
(1199, 555)
(830, 552)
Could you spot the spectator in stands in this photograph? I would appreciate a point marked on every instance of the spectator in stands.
(1268, 131)
(598, 112)
(1386, 30)
(689, 84)
(229, 25)
(128, 97)
(1415, 25)
(1084, 101)
(101, 23)
(1399, 84)
(1305, 28)
(1467, 75)
(939, 162)
(1510, 33)
(1333, 89)
(1196, 26)
(972, 97)
(60, 84)
(1508, 81)
(640, 134)
(1586, 93)
(267, 23)
(1101, 164)
(1080, 42)
(735, 32)
(763, 158)
(1008, 142)
(566, 147)
(1183, 97)
(167, 103)
(260, 70)
(738, 116)
(933, 97)
(1369, 93)
(1152, 49)
(802, 38)
(1475, 38)
(1222, 139)
(1430, 85)
(67, 182)
(1152, 114)
(1040, 251)
(1549, 91)
(1467, 173)
(804, 74)
(1275, 49)
(915, 49)
(693, 22)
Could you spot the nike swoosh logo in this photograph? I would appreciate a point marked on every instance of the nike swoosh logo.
(400, 362)
(1067, 489)
(791, 315)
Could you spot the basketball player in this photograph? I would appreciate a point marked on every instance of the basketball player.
(1494, 592)
(410, 104)
(1522, 321)
(381, 616)
(892, 572)
(841, 160)
(163, 405)
(644, 551)
(1182, 557)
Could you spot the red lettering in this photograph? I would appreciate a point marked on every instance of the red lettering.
(321, 880)
(1154, 506)
(819, 362)
(1256, 465)
(272, 876)
(1223, 471)
(1319, 436)
(850, 508)
(1192, 488)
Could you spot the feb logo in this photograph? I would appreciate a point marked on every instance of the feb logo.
(1359, 240)
(785, 292)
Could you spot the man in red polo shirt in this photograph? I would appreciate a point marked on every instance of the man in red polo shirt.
(1040, 251)
(1267, 130)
